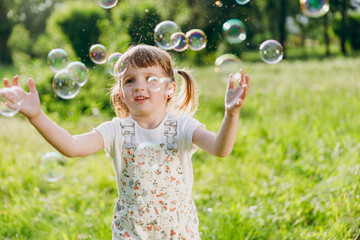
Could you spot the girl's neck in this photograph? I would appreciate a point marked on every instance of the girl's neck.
(149, 121)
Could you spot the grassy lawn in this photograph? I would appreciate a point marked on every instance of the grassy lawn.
(294, 172)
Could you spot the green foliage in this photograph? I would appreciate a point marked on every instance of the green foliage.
(78, 25)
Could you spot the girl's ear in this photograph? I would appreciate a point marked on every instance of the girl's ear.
(170, 92)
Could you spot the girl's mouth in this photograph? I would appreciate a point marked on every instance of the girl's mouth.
(140, 99)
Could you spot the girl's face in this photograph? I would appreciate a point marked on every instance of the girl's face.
(140, 91)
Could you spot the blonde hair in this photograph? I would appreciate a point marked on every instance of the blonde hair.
(144, 56)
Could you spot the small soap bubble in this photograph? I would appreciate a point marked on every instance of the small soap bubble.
(314, 8)
(57, 59)
(242, 2)
(218, 3)
(79, 71)
(10, 101)
(181, 38)
(52, 166)
(148, 154)
(271, 51)
(234, 31)
(111, 61)
(163, 32)
(107, 3)
(98, 53)
(196, 39)
(65, 85)
(156, 84)
(120, 68)
(225, 65)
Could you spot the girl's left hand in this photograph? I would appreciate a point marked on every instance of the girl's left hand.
(236, 92)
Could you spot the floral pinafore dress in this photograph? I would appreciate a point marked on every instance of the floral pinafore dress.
(154, 201)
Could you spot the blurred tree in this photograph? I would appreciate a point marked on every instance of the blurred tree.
(78, 24)
(6, 26)
(342, 6)
(142, 25)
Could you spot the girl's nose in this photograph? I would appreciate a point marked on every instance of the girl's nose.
(140, 85)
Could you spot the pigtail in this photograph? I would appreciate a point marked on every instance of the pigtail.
(187, 99)
(119, 107)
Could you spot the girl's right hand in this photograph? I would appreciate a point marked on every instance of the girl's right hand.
(30, 106)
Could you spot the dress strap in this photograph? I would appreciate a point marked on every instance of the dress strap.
(128, 131)
(170, 132)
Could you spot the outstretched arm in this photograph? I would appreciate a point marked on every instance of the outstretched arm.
(62, 140)
(221, 144)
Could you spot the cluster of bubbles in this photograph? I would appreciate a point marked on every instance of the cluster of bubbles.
(10, 105)
(168, 36)
(314, 8)
(69, 76)
(52, 166)
(98, 55)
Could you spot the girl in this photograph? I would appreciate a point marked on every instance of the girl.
(151, 142)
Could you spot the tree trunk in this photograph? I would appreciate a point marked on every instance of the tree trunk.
(282, 23)
(326, 35)
(343, 27)
(5, 30)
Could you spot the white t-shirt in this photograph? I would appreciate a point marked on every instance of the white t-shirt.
(113, 141)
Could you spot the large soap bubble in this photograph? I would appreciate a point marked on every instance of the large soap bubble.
(111, 61)
(52, 166)
(226, 64)
(107, 3)
(163, 32)
(196, 39)
(234, 31)
(271, 51)
(242, 2)
(97, 53)
(314, 8)
(79, 71)
(57, 59)
(65, 85)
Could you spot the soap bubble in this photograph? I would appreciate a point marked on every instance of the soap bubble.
(314, 8)
(107, 3)
(156, 84)
(181, 38)
(242, 2)
(234, 31)
(147, 154)
(79, 71)
(226, 64)
(120, 68)
(196, 39)
(98, 53)
(271, 51)
(15, 101)
(57, 59)
(52, 166)
(163, 33)
(111, 61)
(65, 85)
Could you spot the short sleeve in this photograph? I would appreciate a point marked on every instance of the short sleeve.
(187, 128)
(108, 132)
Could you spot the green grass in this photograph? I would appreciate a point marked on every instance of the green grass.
(294, 172)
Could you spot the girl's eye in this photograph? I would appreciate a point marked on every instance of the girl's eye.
(127, 81)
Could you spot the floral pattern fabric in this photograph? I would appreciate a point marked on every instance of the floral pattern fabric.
(155, 202)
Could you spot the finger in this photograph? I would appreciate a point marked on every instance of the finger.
(231, 84)
(32, 86)
(247, 80)
(6, 83)
(245, 91)
(15, 81)
(242, 79)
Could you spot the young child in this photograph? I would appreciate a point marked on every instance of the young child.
(151, 142)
